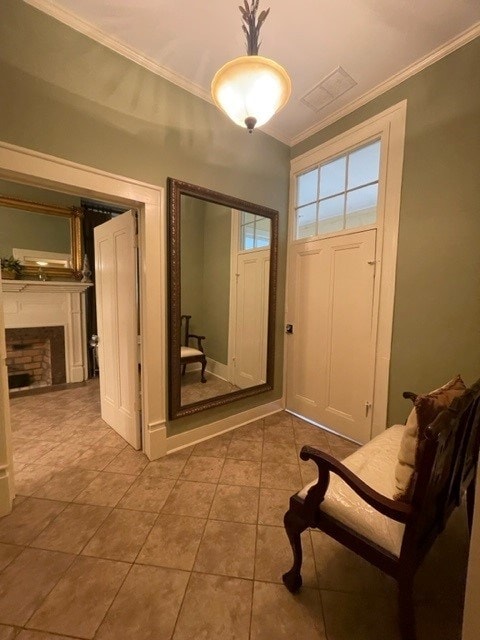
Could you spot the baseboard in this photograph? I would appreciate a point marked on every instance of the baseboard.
(155, 440)
(207, 431)
(217, 369)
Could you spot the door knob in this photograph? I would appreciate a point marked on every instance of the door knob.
(289, 328)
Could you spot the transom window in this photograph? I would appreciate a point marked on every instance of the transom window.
(254, 231)
(339, 194)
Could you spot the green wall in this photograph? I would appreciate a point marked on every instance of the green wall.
(66, 95)
(205, 272)
(436, 331)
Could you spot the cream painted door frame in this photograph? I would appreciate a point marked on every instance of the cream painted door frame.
(389, 126)
(31, 167)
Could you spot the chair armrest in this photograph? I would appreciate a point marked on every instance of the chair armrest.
(198, 339)
(398, 511)
(409, 395)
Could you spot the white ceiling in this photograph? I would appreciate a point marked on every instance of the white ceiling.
(377, 42)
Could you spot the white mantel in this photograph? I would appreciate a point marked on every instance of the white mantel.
(33, 303)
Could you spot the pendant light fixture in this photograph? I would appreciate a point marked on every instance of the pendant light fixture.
(251, 89)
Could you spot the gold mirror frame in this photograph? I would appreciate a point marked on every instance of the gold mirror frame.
(75, 215)
(175, 190)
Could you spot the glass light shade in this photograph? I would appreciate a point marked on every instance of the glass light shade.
(251, 87)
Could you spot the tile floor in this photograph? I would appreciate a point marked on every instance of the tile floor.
(104, 544)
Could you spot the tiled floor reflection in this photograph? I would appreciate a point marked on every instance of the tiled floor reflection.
(103, 544)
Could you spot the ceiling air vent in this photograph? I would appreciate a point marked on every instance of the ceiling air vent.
(329, 89)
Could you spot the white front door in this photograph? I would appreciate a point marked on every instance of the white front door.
(252, 280)
(117, 317)
(331, 352)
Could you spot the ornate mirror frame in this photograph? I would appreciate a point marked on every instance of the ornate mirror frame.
(75, 215)
(175, 190)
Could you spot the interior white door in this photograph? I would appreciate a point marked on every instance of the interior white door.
(117, 313)
(331, 353)
(252, 282)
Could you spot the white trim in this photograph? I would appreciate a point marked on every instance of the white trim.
(31, 167)
(419, 65)
(88, 29)
(217, 369)
(390, 126)
(232, 317)
(194, 436)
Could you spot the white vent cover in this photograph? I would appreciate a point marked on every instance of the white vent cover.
(327, 90)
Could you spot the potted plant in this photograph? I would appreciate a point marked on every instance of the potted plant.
(11, 268)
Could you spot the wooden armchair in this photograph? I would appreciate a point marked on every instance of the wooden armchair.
(394, 536)
(188, 354)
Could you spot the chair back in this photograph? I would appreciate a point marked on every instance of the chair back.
(448, 461)
(184, 330)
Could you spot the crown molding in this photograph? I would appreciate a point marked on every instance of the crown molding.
(86, 28)
(437, 54)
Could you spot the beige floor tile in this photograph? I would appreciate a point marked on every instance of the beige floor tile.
(173, 542)
(279, 614)
(305, 433)
(280, 452)
(363, 616)
(308, 471)
(7, 633)
(77, 604)
(160, 592)
(281, 476)
(202, 469)
(235, 504)
(62, 455)
(112, 439)
(227, 548)
(274, 503)
(121, 535)
(147, 494)
(28, 518)
(32, 449)
(106, 490)
(190, 499)
(215, 608)
(72, 529)
(281, 418)
(340, 569)
(171, 466)
(216, 447)
(128, 461)
(97, 458)
(26, 582)
(279, 433)
(38, 635)
(8, 552)
(66, 484)
(241, 472)
(245, 450)
(274, 556)
(250, 431)
(31, 478)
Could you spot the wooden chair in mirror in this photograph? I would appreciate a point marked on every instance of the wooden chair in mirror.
(188, 354)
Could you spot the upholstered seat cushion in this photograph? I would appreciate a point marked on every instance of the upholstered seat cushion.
(188, 352)
(374, 463)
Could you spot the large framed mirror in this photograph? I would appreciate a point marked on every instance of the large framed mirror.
(222, 279)
(45, 238)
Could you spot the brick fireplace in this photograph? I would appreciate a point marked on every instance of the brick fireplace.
(35, 357)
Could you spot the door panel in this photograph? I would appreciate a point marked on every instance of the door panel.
(250, 364)
(331, 352)
(115, 290)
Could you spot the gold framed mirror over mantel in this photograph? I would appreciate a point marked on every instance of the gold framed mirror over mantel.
(45, 238)
(222, 281)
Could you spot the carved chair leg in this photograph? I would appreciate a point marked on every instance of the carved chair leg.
(184, 368)
(470, 504)
(294, 526)
(204, 364)
(406, 609)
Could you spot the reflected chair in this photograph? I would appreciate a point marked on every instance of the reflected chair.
(188, 354)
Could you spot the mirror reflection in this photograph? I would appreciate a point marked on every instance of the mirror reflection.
(222, 265)
(225, 261)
